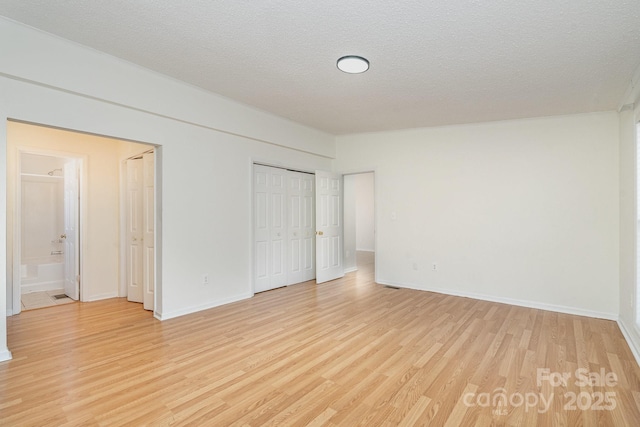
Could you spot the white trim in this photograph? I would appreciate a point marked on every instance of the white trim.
(122, 277)
(201, 307)
(350, 270)
(521, 303)
(5, 355)
(9, 311)
(635, 348)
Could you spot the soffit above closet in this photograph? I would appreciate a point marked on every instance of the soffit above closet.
(432, 62)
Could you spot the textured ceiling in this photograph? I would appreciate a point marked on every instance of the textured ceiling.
(432, 62)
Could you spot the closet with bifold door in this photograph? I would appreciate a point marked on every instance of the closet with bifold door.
(284, 227)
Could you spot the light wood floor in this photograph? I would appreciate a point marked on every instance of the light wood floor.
(345, 353)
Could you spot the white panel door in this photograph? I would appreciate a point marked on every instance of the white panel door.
(308, 227)
(301, 227)
(134, 232)
(270, 228)
(328, 226)
(71, 228)
(284, 227)
(295, 239)
(148, 230)
(261, 228)
(277, 228)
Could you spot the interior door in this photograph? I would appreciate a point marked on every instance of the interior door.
(71, 228)
(278, 229)
(308, 256)
(329, 229)
(295, 239)
(148, 226)
(269, 228)
(134, 234)
(261, 228)
(301, 227)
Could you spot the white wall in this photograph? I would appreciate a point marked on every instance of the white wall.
(208, 145)
(521, 211)
(365, 237)
(42, 205)
(628, 229)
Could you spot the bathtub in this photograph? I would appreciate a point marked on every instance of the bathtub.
(42, 274)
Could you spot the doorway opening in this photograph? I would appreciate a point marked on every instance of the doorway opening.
(65, 187)
(359, 222)
(48, 215)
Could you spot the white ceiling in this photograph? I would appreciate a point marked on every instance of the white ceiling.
(433, 62)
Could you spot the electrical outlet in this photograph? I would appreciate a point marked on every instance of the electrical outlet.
(205, 279)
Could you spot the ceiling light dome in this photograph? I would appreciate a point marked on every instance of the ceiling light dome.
(353, 64)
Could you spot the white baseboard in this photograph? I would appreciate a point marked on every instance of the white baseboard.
(9, 311)
(635, 347)
(5, 355)
(365, 250)
(196, 308)
(350, 270)
(511, 301)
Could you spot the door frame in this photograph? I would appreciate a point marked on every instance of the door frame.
(17, 217)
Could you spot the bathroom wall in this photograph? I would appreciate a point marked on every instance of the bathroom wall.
(42, 206)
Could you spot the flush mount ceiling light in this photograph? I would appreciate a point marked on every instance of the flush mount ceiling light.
(353, 64)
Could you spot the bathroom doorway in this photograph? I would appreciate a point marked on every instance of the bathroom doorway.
(48, 229)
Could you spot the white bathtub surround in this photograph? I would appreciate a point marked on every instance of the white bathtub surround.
(42, 274)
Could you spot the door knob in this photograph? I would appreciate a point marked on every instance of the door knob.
(319, 233)
(63, 236)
